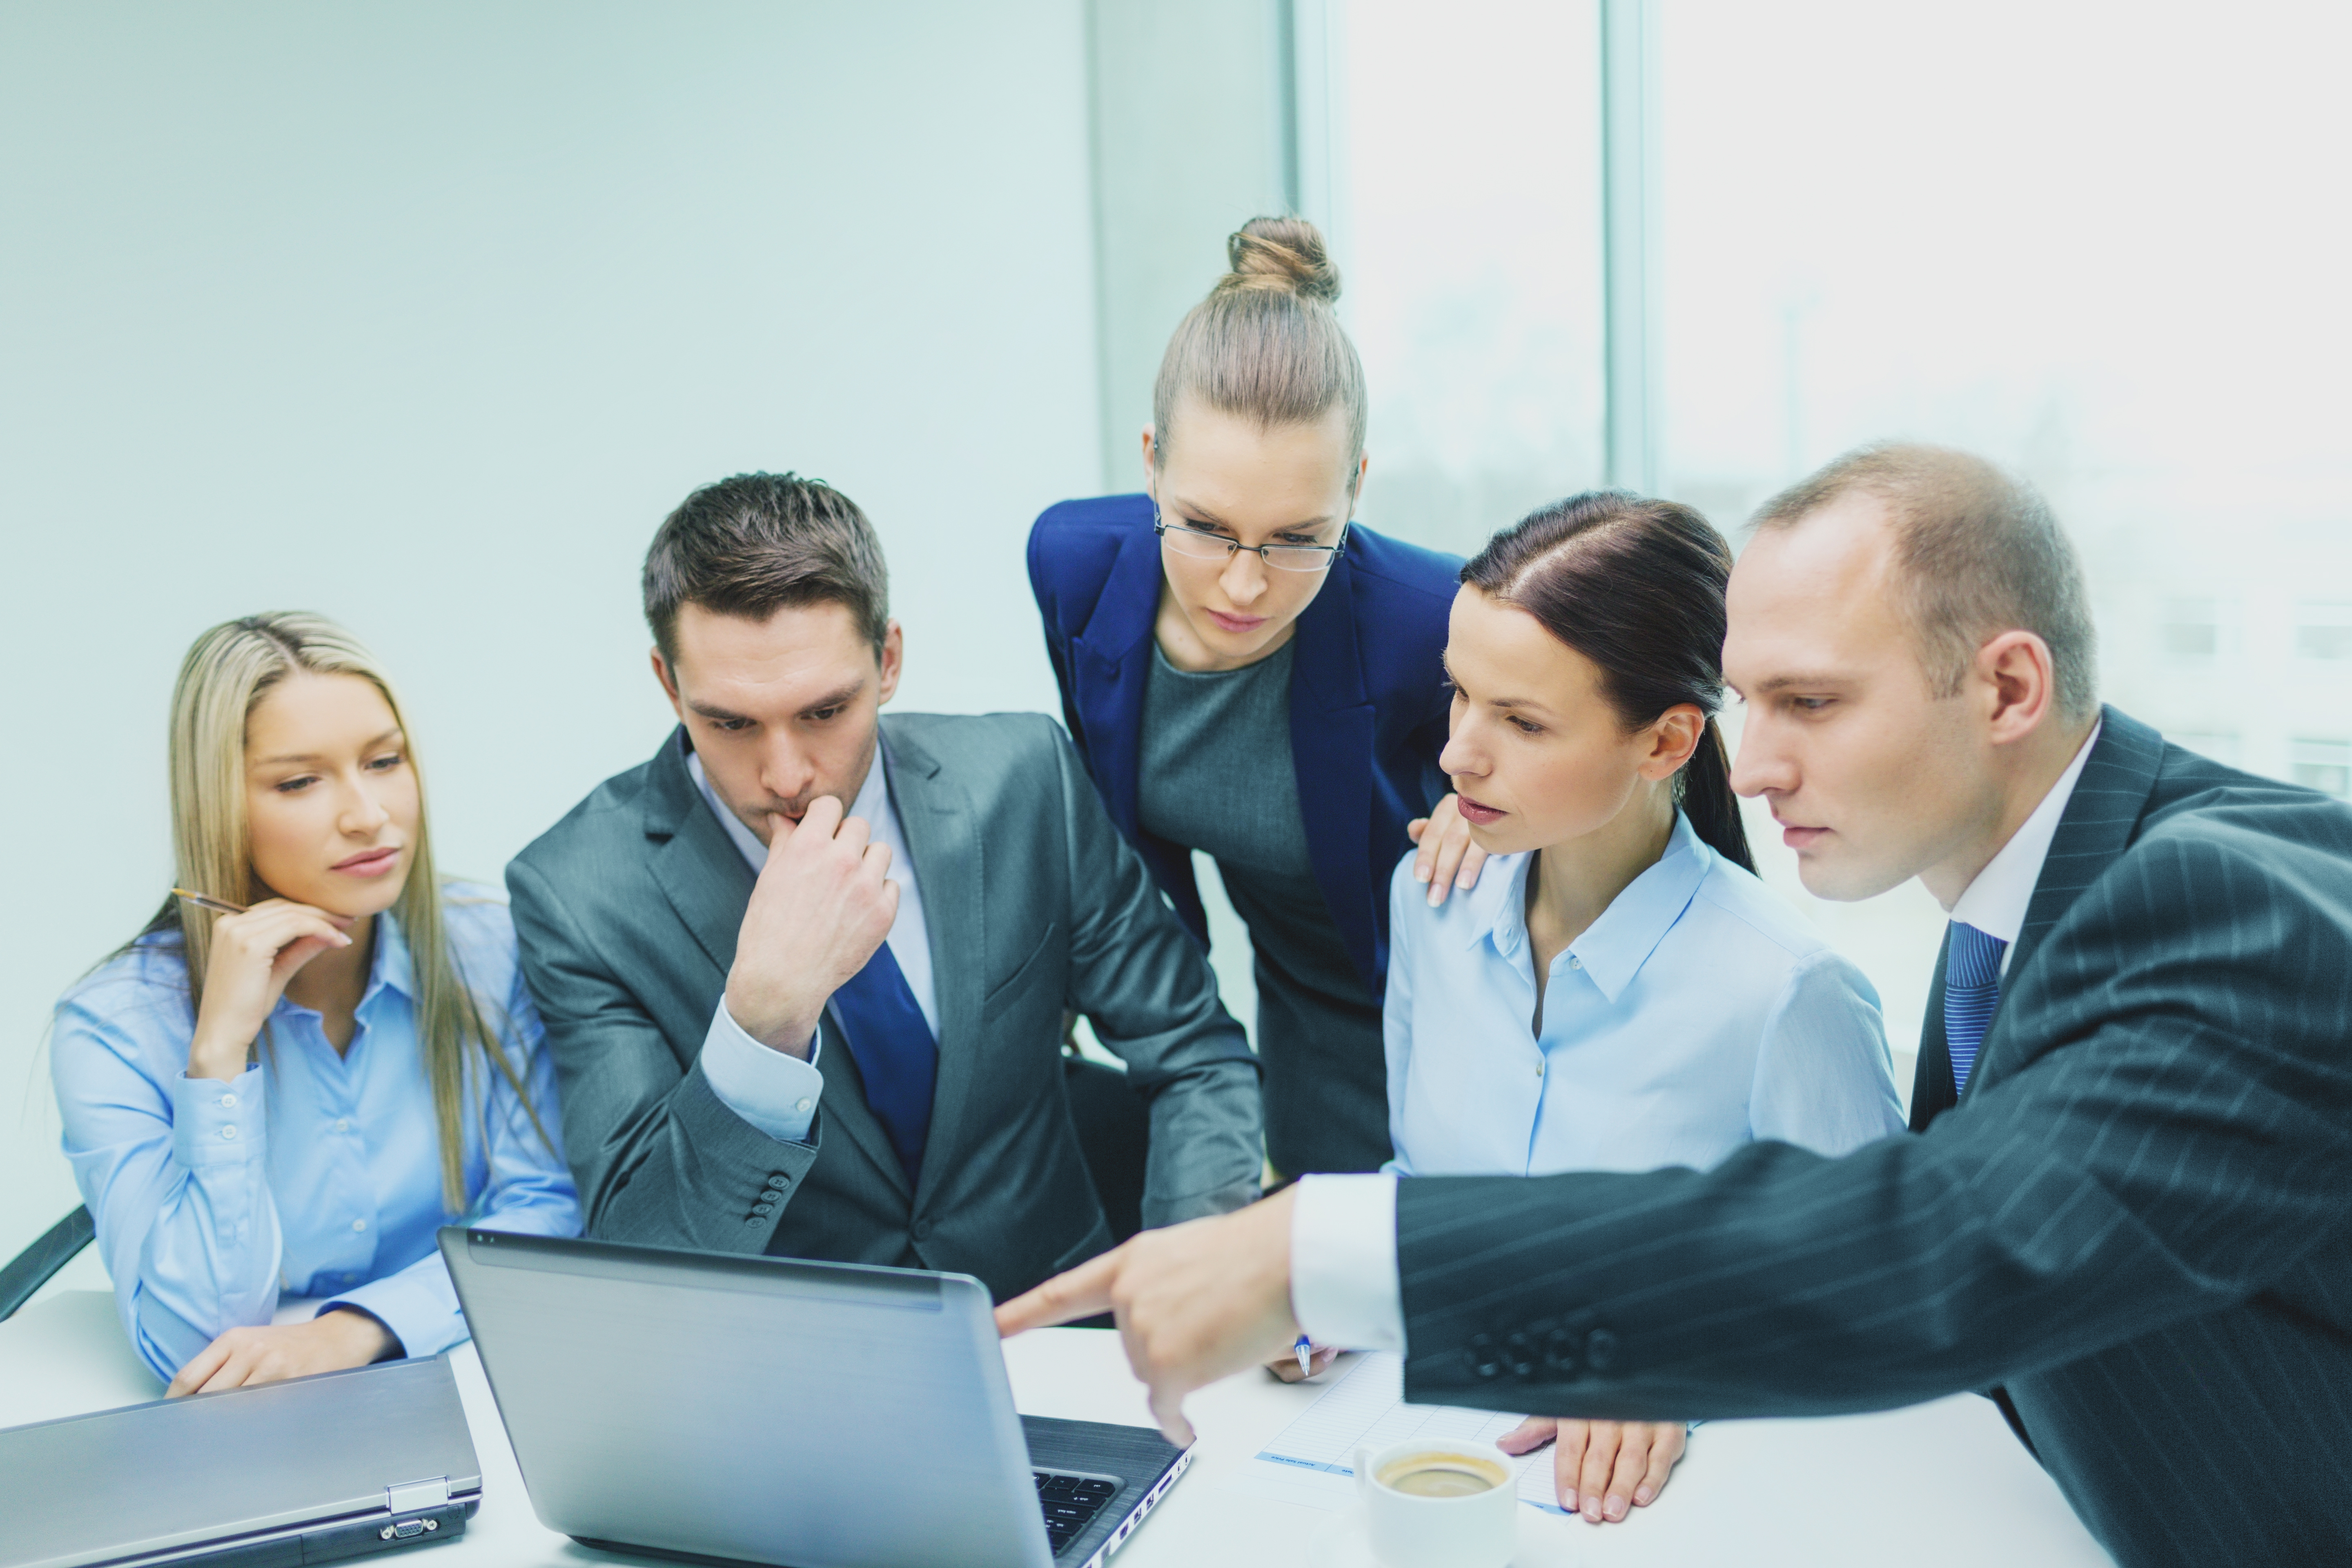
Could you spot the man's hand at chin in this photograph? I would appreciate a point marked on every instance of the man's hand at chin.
(821, 905)
(1195, 1302)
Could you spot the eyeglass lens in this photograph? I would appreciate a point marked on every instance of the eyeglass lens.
(1202, 546)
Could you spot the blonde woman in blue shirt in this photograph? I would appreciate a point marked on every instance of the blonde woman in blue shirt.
(290, 1101)
(1618, 992)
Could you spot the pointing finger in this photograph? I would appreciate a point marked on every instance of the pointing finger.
(1083, 1292)
(1167, 1409)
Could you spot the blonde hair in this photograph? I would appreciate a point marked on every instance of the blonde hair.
(1266, 344)
(226, 675)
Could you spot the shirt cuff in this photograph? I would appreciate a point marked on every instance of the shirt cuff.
(1343, 1262)
(775, 1092)
(417, 1306)
(217, 1124)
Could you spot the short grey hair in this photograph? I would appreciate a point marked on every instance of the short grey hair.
(1979, 553)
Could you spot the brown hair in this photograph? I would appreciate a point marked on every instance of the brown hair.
(757, 543)
(1979, 553)
(1636, 586)
(1265, 343)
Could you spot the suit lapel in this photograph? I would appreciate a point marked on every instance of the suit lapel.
(696, 865)
(1331, 721)
(2100, 820)
(1110, 672)
(944, 840)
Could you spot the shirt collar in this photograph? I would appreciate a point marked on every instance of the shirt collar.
(1614, 948)
(872, 803)
(1995, 902)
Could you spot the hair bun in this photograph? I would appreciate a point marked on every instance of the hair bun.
(1280, 252)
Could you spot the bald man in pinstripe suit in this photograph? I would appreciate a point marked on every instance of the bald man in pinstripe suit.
(2129, 1198)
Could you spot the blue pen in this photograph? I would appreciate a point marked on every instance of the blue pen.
(1306, 1357)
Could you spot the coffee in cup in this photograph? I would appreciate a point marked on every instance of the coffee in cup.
(1441, 1473)
(1438, 1504)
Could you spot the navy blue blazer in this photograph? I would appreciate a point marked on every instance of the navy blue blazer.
(1367, 699)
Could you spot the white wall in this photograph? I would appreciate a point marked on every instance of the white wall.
(424, 315)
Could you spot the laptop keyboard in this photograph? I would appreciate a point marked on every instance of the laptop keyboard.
(1070, 1503)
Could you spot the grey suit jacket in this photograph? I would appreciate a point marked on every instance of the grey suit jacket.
(2137, 1218)
(628, 910)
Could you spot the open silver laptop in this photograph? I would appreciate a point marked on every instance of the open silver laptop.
(303, 1471)
(772, 1411)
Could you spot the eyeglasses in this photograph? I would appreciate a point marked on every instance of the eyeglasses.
(1200, 545)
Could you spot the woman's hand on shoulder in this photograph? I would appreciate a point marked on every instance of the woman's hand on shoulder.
(1602, 1470)
(254, 954)
(1447, 859)
(328, 1343)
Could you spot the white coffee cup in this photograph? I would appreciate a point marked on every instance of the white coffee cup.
(1440, 1517)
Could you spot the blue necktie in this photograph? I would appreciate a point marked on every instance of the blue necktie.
(1971, 990)
(892, 1045)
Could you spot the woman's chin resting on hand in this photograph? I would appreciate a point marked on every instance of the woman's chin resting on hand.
(328, 1343)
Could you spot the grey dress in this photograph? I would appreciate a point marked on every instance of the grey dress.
(1217, 776)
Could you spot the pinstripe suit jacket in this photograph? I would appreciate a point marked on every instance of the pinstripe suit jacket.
(2138, 1217)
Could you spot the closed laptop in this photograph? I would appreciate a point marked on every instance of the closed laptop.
(302, 1471)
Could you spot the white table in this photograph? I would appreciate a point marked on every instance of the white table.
(1939, 1483)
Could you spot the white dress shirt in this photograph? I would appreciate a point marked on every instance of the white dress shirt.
(1343, 1257)
(774, 1090)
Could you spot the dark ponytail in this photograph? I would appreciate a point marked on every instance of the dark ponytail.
(1636, 586)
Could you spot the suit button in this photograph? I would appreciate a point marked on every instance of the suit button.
(1560, 1353)
(779, 1182)
(922, 1230)
(1480, 1352)
(1520, 1354)
(1600, 1350)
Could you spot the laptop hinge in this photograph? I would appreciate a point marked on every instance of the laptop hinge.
(409, 1497)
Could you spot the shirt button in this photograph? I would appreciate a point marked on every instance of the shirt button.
(228, 1103)
(1574, 962)
(802, 1105)
(343, 1124)
(359, 1225)
(228, 1134)
(1539, 1067)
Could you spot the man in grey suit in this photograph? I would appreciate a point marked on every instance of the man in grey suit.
(2134, 1217)
(804, 972)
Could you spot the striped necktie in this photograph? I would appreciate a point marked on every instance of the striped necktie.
(1971, 990)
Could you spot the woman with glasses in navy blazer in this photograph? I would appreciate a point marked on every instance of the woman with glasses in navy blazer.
(1249, 673)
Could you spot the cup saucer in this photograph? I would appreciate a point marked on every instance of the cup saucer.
(1541, 1543)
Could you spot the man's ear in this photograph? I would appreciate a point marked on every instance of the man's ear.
(1151, 462)
(669, 684)
(2018, 685)
(893, 659)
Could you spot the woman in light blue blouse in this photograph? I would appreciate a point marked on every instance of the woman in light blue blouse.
(1620, 992)
(290, 1100)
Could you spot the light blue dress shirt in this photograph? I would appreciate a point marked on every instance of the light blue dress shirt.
(313, 1174)
(1699, 1013)
(774, 1090)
